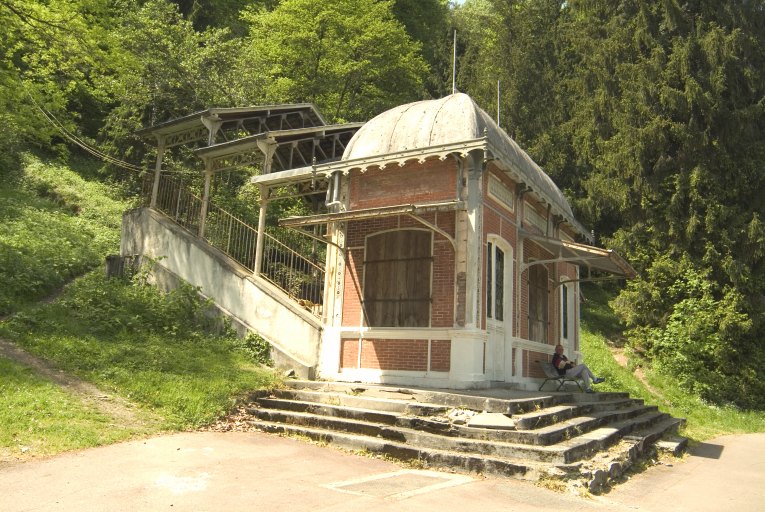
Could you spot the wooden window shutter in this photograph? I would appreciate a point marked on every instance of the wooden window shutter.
(397, 273)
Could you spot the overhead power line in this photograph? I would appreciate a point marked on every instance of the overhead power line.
(81, 143)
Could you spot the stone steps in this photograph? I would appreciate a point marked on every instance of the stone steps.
(507, 432)
(557, 413)
(435, 458)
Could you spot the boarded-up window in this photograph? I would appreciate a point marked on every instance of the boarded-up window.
(538, 303)
(397, 272)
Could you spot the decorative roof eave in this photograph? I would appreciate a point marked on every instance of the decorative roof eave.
(400, 158)
(507, 163)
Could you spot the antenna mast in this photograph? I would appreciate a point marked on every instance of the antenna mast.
(497, 102)
(454, 64)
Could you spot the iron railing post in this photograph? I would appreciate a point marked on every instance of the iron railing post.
(157, 170)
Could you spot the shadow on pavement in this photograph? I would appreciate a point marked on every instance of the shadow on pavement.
(707, 450)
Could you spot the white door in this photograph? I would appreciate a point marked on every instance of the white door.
(499, 296)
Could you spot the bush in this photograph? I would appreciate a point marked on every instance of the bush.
(704, 342)
(257, 348)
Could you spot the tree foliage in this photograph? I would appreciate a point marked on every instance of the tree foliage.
(651, 115)
(350, 57)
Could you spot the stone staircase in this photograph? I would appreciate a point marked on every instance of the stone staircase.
(584, 439)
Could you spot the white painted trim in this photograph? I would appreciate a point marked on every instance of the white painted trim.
(397, 333)
(536, 346)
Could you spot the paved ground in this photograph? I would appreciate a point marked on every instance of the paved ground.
(230, 471)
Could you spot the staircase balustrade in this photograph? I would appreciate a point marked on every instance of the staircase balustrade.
(300, 277)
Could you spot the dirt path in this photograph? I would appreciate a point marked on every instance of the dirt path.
(621, 358)
(117, 407)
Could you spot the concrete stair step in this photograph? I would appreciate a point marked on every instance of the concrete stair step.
(453, 399)
(339, 411)
(382, 404)
(587, 444)
(431, 457)
(578, 435)
(561, 453)
(548, 416)
(652, 433)
(579, 425)
(541, 437)
(558, 413)
(598, 397)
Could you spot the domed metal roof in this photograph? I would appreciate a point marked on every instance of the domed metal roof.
(455, 118)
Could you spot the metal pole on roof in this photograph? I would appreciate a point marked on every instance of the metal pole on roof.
(497, 102)
(454, 64)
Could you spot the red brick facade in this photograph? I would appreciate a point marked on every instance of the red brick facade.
(436, 181)
(402, 355)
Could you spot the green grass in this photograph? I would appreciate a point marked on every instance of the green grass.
(38, 418)
(159, 351)
(601, 335)
(152, 348)
(54, 225)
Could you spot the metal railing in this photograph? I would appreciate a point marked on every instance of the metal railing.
(286, 268)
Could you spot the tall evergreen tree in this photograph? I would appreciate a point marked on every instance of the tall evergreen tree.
(651, 114)
(669, 117)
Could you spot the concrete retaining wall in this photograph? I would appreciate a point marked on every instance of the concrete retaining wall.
(249, 301)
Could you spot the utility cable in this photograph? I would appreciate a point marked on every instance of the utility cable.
(76, 140)
(84, 145)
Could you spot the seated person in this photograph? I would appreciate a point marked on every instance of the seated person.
(573, 370)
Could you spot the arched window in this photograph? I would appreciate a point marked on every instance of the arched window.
(397, 270)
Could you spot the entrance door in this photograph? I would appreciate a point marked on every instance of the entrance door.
(499, 296)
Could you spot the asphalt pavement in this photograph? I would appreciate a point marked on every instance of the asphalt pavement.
(212, 471)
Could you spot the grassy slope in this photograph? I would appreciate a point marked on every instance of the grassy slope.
(55, 225)
(38, 418)
(600, 328)
(124, 336)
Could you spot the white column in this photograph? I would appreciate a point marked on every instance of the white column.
(261, 229)
(474, 233)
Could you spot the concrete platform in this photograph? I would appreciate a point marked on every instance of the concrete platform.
(234, 471)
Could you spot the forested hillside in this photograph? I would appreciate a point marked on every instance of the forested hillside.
(650, 114)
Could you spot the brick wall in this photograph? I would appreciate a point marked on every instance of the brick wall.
(349, 353)
(440, 355)
(433, 181)
(530, 366)
(442, 290)
(402, 355)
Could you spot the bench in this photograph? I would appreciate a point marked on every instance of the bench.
(552, 374)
